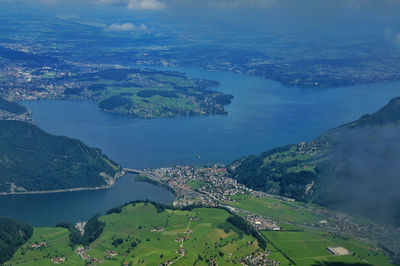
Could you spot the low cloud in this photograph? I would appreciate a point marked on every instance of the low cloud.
(243, 3)
(146, 4)
(392, 37)
(135, 4)
(363, 173)
(126, 27)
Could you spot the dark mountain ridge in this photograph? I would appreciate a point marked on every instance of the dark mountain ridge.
(33, 160)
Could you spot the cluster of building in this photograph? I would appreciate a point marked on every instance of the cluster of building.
(26, 117)
(21, 81)
(342, 223)
(111, 253)
(58, 260)
(38, 245)
(263, 223)
(260, 258)
(81, 251)
(208, 186)
(313, 148)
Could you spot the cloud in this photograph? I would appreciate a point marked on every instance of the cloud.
(392, 37)
(135, 4)
(243, 3)
(126, 27)
(146, 4)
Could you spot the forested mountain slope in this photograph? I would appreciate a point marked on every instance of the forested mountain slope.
(33, 160)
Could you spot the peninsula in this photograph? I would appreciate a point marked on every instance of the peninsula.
(35, 161)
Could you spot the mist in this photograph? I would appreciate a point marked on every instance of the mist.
(316, 19)
(362, 174)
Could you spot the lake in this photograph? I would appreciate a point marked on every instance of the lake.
(264, 114)
(52, 208)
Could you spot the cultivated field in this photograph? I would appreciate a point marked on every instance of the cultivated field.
(285, 211)
(309, 247)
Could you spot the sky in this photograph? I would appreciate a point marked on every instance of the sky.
(319, 17)
(320, 8)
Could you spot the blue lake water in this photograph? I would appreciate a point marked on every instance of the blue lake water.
(264, 114)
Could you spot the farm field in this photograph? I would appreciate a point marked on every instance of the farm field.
(309, 247)
(277, 209)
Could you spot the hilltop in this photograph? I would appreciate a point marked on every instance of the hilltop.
(33, 160)
(14, 111)
(149, 234)
(352, 167)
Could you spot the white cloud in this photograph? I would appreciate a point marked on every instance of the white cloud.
(243, 3)
(135, 4)
(392, 37)
(125, 27)
(397, 39)
(146, 4)
(111, 2)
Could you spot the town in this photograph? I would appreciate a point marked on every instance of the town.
(212, 186)
(209, 186)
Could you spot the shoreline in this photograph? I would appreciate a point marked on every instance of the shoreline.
(55, 191)
(118, 175)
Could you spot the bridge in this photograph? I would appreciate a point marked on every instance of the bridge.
(156, 178)
(133, 171)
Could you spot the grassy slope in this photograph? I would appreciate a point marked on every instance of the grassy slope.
(58, 245)
(135, 222)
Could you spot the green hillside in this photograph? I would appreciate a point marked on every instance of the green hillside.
(148, 234)
(33, 160)
(12, 235)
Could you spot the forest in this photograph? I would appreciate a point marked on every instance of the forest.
(33, 160)
(13, 234)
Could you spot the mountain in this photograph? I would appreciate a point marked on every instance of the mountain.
(14, 111)
(33, 160)
(12, 107)
(352, 167)
(13, 234)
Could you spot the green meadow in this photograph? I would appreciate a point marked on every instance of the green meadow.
(131, 237)
(277, 209)
(205, 242)
(309, 247)
(140, 234)
(57, 246)
(196, 184)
